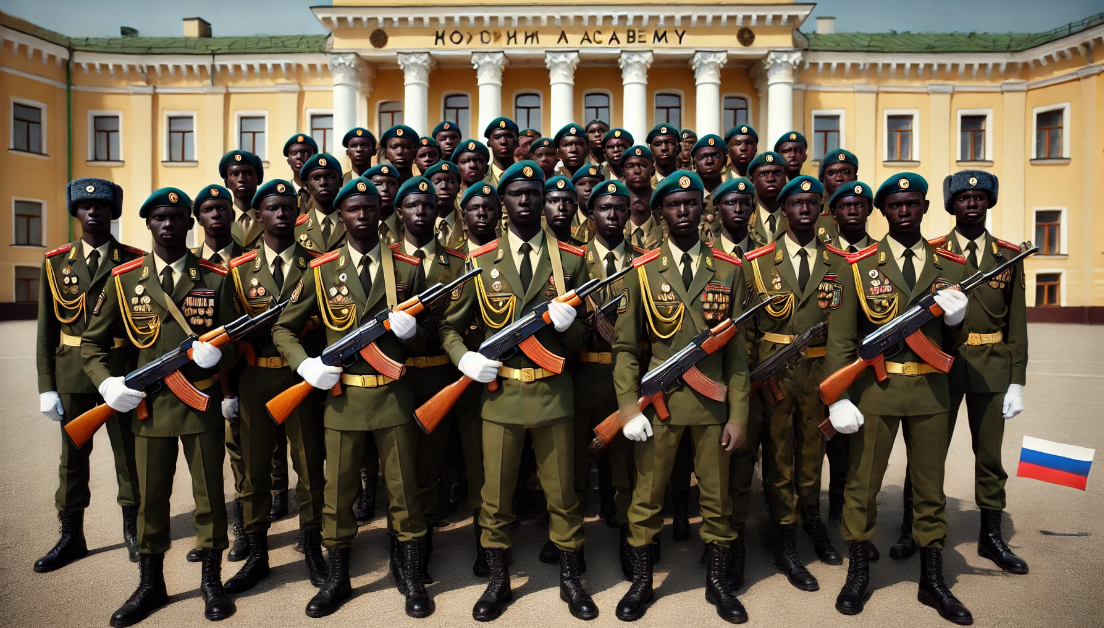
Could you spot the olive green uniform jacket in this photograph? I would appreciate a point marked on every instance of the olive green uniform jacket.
(308, 234)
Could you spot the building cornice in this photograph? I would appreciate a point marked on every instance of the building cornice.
(32, 45)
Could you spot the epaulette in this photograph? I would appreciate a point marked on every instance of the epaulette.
(938, 242)
(322, 259)
(241, 259)
(407, 258)
(129, 266)
(300, 220)
(132, 249)
(639, 250)
(863, 254)
(719, 254)
(577, 250)
(954, 257)
(486, 248)
(1008, 245)
(213, 267)
(840, 252)
(394, 246)
(647, 257)
(64, 248)
(314, 254)
(455, 253)
(761, 251)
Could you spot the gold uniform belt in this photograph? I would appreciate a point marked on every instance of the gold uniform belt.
(984, 339)
(815, 352)
(524, 375)
(427, 362)
(911, 369)
(75, 341)
(783, 339)
(270, 363)
(204, 384)
(365, 381)
(604, 357)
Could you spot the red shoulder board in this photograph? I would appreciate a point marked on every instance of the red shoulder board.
(302, 219)
(241, 259)
(719, 254)
(640, 250)
(833, 249)
(406, 258)
(213, 267)
(486, 248)
(394, 247)
(129, 266)
(564, 246)
(1008, 245)
(951, 256)
(455, 253)
(761, 251)
(322, 259)
(647, 257)
(314, 254)
(132, 249)
(64, 248)
(938, 242)
(865, 253)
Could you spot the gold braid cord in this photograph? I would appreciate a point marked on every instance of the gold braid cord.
(506, 312)
(672, 322)
(131, 327)
(774, 311)
(76, 304)
(241, 292)
(334, 322)
(877, 319)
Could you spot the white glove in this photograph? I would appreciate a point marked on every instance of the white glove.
(230, 408)
(954, 304)
(1013, 400)
(117, 395)
(638, 428)
(319, 375)
(205, 355)
(402, 324)
(561, 314)
(478, 367)
(845, 416)
(49, 403)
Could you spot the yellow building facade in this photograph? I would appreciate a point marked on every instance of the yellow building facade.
(150, 112)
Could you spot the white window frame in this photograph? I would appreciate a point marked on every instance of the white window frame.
(42, 221)
(827, 113)
(682, 106)
(1035, 111)
(165, 115)
(605, 92)
(11, 126)
(1061, 272)
(379, 107)
(16, 267)
(464, 133)
(1063, 229)
(253, 113)
(310, 113)
(988, 113)
(92, 114)
(513, 107)
(915, 148)
(746, 98)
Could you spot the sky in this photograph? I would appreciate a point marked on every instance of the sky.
(81, 18)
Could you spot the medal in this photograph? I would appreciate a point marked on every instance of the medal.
(344, 291)
(261, 291)
(342, 277)
(494, 273)
(139, 289)
(333, 292)
(254, 281)
(134, 300)
(145, 300)
(666, 288)
(496, 286)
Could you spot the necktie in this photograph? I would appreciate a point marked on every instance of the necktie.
(167, 281)
(93, 263)
(971, 255)
(738, 251)
(909, 271)
(443, 232)
(366, 275)
(687, 271)
(852, 249)
(327, 230)
(611, 264)
(638, 237)
(772, 222)
(803, 269)
(420, 254)
(216, 258)
(245, 221)
(278, 272)
(526, 270)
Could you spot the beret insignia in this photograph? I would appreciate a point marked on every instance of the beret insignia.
(321, 161)
(502, 124)
(359, 132)
(361, 187)
(399, 132)
(842, 157)
(425, 141)
(572, 130)
(446, 127)
(593, 170)
(528, 171)
(615, 133)
(743, 129)
(423, 186)
(684, 181)
(560, 184)
(793, 136)
(858, 189)
(486, 189)
(213, 191)
(903, 183)
(173, 197)
(740, 186)
(444, 167)
(384, 170)
(663, 130)
(611, 188)
(90, 189)
(973, 180)
(805, 186)
(471, 145)
(237, 157)
(712, 141)
(768, 158)
(639, 152)
(280, 187)
(299, 139)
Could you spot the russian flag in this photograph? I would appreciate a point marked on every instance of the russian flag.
(1057, 463)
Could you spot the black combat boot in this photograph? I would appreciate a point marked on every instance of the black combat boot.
(312, 554)
(815, 528)
(549, 553)
(217, 606)
(479, 568)
(856, 590)
(835, 510)
(336, 589)
(991, 544)
(635, 602)
(905, 546)
(579, 602)
(365, 506)
(680, 521)
(625, 551)
(735, 571)
(418, 602)
(717, 591)
(130, 532)
(425, 548)
(935, 593)
(491, 604)
(279, 508)
(255, 568)
(872, 553)
(396, 561)
(239, 551)
(70, 547)
(148, 597)
(787, 560)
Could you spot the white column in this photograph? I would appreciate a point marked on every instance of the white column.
(707, 78)
(416, 68)
(634, 79)
(488, 75)
(780, 67)
(345, 70)
(561, 74)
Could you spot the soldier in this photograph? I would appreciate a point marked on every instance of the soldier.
(70, 273)
(794, 150)
(482, 214)
(298, 149)
(472, 158)
(428, 153)
(448, 228)
(345, 287)
(710, 158)
(838, 167)
(544, 152)
(502, 139)
(595, 131)
(214, 211)
(645, 228)
(663, 140)
(397, 149)
(687, 139)
(528, 397)
(387, 180)
(447, 135)
(638, 173)
(768, 175)
(614, 144)
(560, 206)
(571, 143)
(584, 180)
(242, 172)
(681, 279)
(321, 230)
(360, 147)
(734, 201)
(525, 141)
(158, 301)
(743, 144)
(882, 282)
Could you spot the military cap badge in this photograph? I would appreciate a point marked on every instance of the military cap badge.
(560, 184)
(593, 170)
(279, 189)
(973, 180)
(571, 130)
(212, 192)
(684, 181)
(903, 183)
(423, 186)
(360, 132)
(446, 126)
(740, 186)
(486, 189)
(858, 189)
(805, 185)
(663, 130)
(769, 158)
(528, 171)
(743, 129)
(502, 124)
(299, 139)
(399, 132)
(173, 197)
(444, 167)
(615, 133)
(471, 145)
(384, 170)
(639, 152)
(611, 188)
(90, 189)
(361, 187)
(712, 141)
(842, 157)
(425, 141)
(793, 136)
(322, 161)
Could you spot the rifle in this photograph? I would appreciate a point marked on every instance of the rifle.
(680, 365)
(361, 341)
(905, 328)
(518, 334)
(166, 369)
(763, 375)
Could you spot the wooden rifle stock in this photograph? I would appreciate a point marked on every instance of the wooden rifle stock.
(432, 412)
(835, 384)
(84, 426)
(612, 425)
(282, 405)
(771, 385)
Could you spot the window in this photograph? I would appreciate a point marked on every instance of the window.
(390, 114)
(181, 140)
(1048, 231)
(321, 129)
(1048, 135)
(458, 110)
(27, 127)
(1048, 290)
(251, 134)
(105, 138)
(26, 284)
(597, 107)
(527, 111)
(826, 135)
(735, 111)
(668, 109)
(899, 138)
(972, 138)
(28, 223)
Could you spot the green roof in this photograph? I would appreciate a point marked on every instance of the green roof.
(202, 45)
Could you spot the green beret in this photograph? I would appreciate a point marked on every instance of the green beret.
(382, 170)
(529, 133)
(526, 170)
(357, 132)
(442, 167)
(741, 129)
(688, 133)
(596, 121)
(427, 142)
(165, 197)
(677, 181)
(708, 140)
(591, 171)
(661, 129)
(241, 157)
(401, 131)
(571, 129)
(299, 138)
(792, 136)
(357, 186)
(319, 161)
(479, 189)
(900, 182)
(637, 151)
(558, 183)
(853, 188)
(445, 125)
(213, 191)
(735, 185)
(501, 122)
(838, 156)
(275, 187)
(607, 188)
(800, 185)
(469, 146)
(964, 180)
(93, 189)
(415, 185)
(765, 158)
(542, 142)
(617, 133)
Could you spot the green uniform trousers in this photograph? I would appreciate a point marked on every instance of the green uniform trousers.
(303, 428)
(73, 468)
(926, 447)
(431, 447)
(793, 449)
(655, 458)
(469, 423)
(156, 466)
(985, 412)
(280, 480)
(838, 463)
(742, 465)
(554, 448)
(344, 453)
(594, 401)
(234, 452)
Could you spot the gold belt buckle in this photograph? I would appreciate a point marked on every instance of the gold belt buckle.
(911, 369)
(527, 375)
